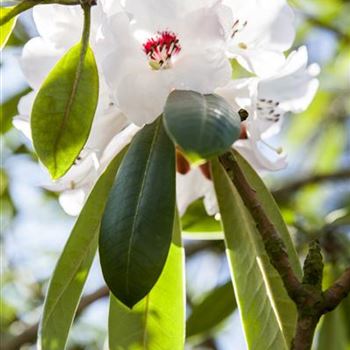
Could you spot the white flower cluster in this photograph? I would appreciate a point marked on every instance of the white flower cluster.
(146, 48)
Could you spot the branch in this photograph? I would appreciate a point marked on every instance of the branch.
(307, 294)
(274, 245)
(288, 190)
(337, 292)
(29, 336)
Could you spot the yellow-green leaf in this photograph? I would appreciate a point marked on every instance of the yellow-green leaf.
(158, 321)
(6, 29)
(267, 312)
(64, 109)
(74, 264)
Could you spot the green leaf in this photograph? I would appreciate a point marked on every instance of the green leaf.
(158, 321)
(272, 210)
(202, 125)
(74, 264)
(197, 224)
(6, 29)
(214, 308)
(137, 224)
(64, 109)
(268, 314)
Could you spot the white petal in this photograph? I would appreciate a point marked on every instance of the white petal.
(294, 86)
(142, 94)
(192, 186)
(202, 72)
(262, 62)
(73, 201)
(38, 58)
(118, 143)
(60, 25)
(22, 120)
(260, 156)
(239, 93)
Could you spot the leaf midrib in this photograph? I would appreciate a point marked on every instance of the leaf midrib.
(139, 198)
(69, 104)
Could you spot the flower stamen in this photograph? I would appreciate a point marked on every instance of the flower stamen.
(161, 48)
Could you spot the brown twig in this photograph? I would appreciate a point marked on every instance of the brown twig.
(273, 243)
(29, 336)
(307, 294)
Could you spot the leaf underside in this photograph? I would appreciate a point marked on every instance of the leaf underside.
(268, 314)
(64, 109)
(157, 322)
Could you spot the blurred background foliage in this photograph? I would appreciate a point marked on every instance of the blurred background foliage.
(313, 193)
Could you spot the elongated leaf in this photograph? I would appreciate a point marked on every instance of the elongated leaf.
(137, 224)
(6, 29)
(268, 314)
(74, 264)
(214, 308)
(202, 125)
(271, 208)
(158, 321)
(64, 109)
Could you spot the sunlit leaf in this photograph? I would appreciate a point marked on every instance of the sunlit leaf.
(6, 29)
(64, 109)
(271, 208)
(74, 264)
(197, 224)
(158, 321)
(137, 224)
(202, 125)
(214, 308)
(268, 314)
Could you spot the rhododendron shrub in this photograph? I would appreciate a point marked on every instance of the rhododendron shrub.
(142, 109)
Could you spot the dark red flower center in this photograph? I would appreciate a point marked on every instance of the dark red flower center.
(161, 48)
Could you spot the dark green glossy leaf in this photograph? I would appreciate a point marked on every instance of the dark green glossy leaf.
(268, 314)
(202, 125)
(214, 308)
(64, 109)
(158, 320)
(74, 264)
(137, 224)
(6, 29)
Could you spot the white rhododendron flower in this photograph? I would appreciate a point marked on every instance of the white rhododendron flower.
(258, 33)
(166, 45)
(147, 48)
(291, 89)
